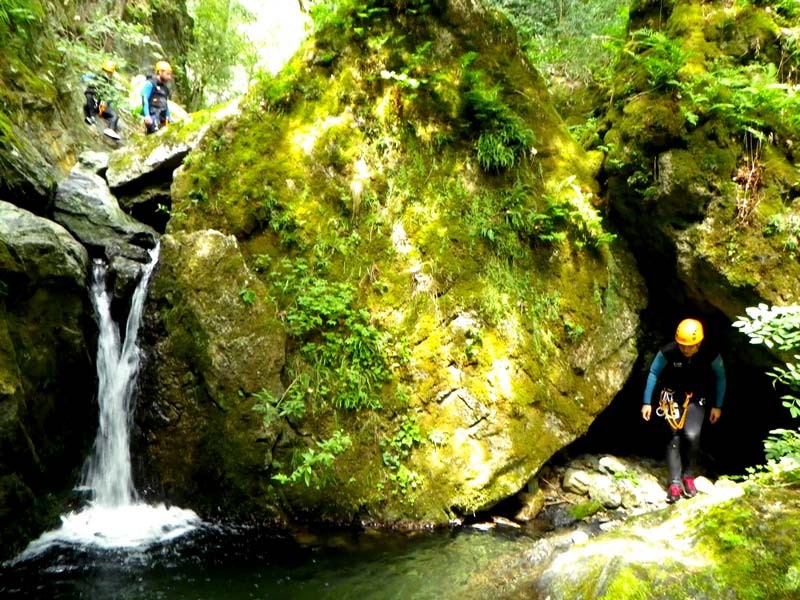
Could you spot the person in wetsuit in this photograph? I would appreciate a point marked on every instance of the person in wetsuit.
(685, 367)
(101, 95)
(155, 97)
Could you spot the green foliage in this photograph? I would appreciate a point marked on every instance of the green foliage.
(629, 475)
(342, 352)
(17, 15)
(288, 406)
(396, 450)
(574, 332)
(314, 464)
(659, 55)
(749, 98)
(510, 220)
(568, 40)
(277, 92)
(503, 138)
(217, 47)
(248, 296)
(778, 327)
(775, 327)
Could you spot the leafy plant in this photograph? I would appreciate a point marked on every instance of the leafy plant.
(503, 137)
(277, 93)
(342, 352)
(218, 46)
(397, 449)
(574, 332)
(287, 406)
(248, 296)
(17, 15)
(568, 40)
(778, 327)
(313, 464)
(659, 55)
(749, 98)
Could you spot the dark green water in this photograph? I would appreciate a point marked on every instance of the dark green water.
(216, 563)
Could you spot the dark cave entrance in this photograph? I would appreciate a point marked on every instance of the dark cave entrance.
(752, 405)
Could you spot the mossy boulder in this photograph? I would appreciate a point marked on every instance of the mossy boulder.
(701, 170)
(46, 373)
(454, 310)
(734, 544)
(212, 350)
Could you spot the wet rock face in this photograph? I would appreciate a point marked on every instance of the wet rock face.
(85, 206)
(46, 372)
(212, 352)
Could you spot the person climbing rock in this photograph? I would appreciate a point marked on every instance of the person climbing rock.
(102, 94)
(689, 372)
(155, 97)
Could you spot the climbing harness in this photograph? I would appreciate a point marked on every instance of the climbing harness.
(669, 409)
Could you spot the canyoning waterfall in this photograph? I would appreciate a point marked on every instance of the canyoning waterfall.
(108, 470)
(114, 518)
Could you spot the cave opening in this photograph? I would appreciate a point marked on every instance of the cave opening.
(752, 405)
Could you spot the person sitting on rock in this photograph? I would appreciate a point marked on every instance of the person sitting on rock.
(689, 371)
(102, 94)
(155, 97)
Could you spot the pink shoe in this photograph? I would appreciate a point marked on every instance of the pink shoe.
(674, 493)
(689, 489)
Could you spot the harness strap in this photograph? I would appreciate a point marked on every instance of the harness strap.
(668, 408)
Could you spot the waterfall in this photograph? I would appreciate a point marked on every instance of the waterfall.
(114, 517)
(108, 471)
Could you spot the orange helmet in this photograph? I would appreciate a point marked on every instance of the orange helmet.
(689, 332)
(163, 65)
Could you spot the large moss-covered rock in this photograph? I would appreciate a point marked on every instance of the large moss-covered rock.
(212, 351)
(46, 374)
(454, 312)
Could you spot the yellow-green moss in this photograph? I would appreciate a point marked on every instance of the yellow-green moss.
(343, 165)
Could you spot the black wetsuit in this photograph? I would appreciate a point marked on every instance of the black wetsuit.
(100, 93)
(701, 375)
(155, 102)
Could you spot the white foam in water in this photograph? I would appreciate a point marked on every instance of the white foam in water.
(133, 526)
(114, 518)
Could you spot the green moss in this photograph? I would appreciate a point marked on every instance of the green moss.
(628, 584)
(362, 167)
(754, 543)
(585, 510)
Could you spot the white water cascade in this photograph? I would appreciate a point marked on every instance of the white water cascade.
(114, 518)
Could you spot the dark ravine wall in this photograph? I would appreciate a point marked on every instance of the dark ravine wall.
(47, 333)
(46, 371)
(662, 234)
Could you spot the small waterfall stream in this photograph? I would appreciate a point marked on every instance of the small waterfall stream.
(108, 470)
(114, 518)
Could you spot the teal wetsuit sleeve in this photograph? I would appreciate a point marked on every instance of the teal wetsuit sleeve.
(147, 91)
(719, 374)
(657, 366)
